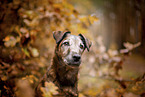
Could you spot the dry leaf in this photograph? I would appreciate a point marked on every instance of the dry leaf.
(49, 89)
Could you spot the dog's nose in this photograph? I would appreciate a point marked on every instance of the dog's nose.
(76, 57)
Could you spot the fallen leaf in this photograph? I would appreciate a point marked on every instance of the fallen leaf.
(49, 89)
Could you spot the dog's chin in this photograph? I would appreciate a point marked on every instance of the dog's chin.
(72, 63)
(76, 64)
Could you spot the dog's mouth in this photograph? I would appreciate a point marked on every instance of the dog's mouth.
(75, 63)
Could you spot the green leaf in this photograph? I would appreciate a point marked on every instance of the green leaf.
(26, 52)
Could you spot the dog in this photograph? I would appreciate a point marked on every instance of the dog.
(64, 69)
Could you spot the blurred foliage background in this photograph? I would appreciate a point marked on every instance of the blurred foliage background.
(115, 65)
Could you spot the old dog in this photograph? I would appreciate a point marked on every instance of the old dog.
(63, 71)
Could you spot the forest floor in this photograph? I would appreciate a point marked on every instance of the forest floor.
(133, 66)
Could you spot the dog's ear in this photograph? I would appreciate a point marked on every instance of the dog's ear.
(59, 35)
(86, 42)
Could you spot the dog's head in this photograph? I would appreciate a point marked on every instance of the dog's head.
(71, 47)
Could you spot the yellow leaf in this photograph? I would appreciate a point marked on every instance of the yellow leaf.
(85, 20)
(51, 86)
(30, 78)
(57, 5)
(10, 41)
(34, 52)
(93, 19)
(26, 52)
(7, 38)
(49, 89)
(4, 78)
(88, 20)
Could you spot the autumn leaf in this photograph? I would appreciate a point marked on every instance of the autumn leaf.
(30, 78)
(6, 38)
(34, 52)
(26, 52)
(10, 41)
(4, 78)
(92, 19)
(49, 89)
(130, 46)
(23, 30)
(88, 20)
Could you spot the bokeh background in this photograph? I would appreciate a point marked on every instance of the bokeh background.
(115, 65)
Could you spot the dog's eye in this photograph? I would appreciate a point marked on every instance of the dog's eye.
(81, 46)
(66, 43)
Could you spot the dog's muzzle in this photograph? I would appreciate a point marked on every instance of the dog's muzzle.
(76, 60)
(76, 57)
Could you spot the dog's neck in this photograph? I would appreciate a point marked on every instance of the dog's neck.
(65, 75)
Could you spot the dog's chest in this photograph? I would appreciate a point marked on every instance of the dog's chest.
(67, 77)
